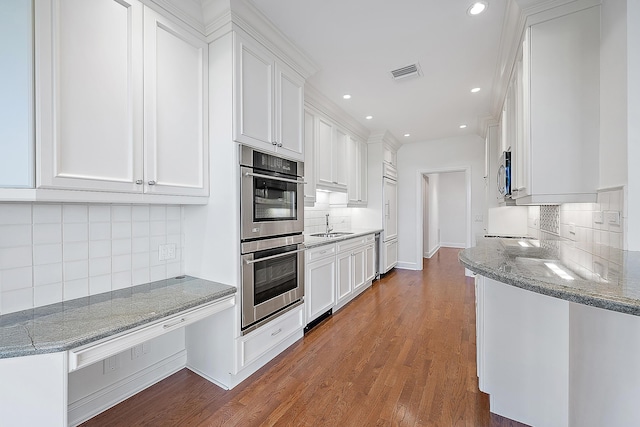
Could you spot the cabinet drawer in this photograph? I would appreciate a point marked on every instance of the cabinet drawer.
(258, 342)
(351, 243)
(86, 355)
(320, 252)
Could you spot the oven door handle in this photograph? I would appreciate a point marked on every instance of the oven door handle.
(253, 261)
(276, 178)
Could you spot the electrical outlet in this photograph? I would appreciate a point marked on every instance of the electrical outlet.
(479, 218)
(162, 252)
(171, 251)
(110, 364)
(598, 217)
(136, 352)
(612, 217)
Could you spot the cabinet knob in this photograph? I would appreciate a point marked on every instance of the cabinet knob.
(274, 143)
(280, 144)
(151, 182)
(139, 181)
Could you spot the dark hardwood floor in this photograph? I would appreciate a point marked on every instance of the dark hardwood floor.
(401, 354)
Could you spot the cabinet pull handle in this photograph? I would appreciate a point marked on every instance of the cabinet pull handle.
(139, 181)
(323, 252)
(273, 334)
(170, 325)
(152, 182)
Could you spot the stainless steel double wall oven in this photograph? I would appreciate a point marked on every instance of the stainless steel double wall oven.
(271, 226)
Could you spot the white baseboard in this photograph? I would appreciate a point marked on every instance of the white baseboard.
(453, 245)
(408, 266)
(95, 403)
(433, 252)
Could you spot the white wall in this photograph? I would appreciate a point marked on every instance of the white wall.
(453, 205)
(434, 156)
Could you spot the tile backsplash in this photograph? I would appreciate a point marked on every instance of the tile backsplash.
(601, 223)
(55, 252)
(315, 217)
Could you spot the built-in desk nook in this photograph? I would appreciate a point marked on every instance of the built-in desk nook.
(41, 348)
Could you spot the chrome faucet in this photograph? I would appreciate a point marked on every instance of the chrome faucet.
(329, 229)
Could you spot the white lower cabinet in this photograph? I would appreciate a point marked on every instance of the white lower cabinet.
(259, 342)
(336, 273)
(320, 281)
(390, 255)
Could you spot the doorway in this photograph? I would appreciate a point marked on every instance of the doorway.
(444, 219)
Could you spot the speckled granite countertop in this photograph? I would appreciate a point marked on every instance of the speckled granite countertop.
(594, 275)
(73, 323)
(313, 241)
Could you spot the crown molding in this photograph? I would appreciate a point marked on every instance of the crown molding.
(243, 15)
(315, 100)
(484, 124)
(385, 138)
(189, 12)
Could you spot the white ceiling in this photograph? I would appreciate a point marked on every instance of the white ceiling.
(356, 43)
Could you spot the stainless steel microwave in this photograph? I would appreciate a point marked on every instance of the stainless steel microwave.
(272, 195)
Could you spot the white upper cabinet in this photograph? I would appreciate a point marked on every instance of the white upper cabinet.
(558, 83)
(331, 154)
(268, 100)
(89, 99)
(175, 109)
(357, 169)
(310, 136)
(121, 102)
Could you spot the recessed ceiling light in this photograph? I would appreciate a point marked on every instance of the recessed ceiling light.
(407, 134)
(347, 96)
(477, 8)
(475, 89)
(369, 117)
(463, 126)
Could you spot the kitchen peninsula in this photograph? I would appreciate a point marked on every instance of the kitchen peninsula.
(558, 332)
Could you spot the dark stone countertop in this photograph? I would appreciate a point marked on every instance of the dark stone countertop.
(590, 274)
(71, 324)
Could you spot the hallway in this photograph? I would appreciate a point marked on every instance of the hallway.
(403, 353)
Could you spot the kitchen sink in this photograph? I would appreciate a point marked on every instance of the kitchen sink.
(334, 234)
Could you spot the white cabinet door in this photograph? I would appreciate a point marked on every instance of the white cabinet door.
(357, 172)
(363, 173)
(340, 158)
(320, 287)
(175, 109)
(289, 97)
(310, 158)
(390, 196)
(89, 99)
(323, 150)
(390, 255)
(370, 262)
(253, 94)
(344, 274)
(359, 268)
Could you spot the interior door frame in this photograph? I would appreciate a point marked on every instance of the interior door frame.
(419, 206)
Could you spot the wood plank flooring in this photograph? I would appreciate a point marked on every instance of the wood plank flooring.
(401, 354)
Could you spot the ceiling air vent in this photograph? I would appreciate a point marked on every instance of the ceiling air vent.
(412, 70)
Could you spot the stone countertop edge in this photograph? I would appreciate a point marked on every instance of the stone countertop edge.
(312, 241)
(65, 326)
(556, 291)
